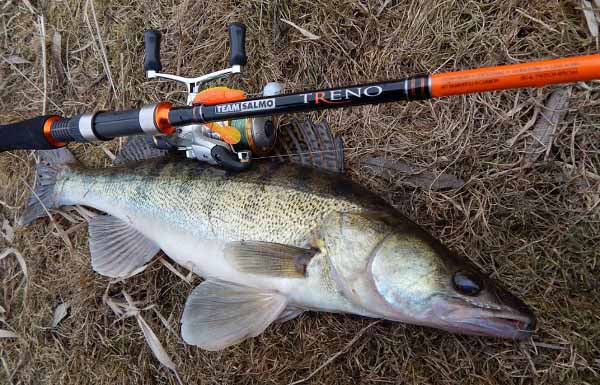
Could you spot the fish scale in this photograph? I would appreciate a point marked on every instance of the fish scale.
(192, 197)
(272, 242)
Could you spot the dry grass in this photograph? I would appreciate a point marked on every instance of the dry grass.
(535, 227)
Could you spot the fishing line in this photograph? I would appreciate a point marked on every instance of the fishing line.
(318, 152)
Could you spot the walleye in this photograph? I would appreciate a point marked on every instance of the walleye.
(271, 243)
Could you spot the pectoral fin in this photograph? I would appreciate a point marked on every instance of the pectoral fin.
(117, 248)
(219, 314)
(265, 258)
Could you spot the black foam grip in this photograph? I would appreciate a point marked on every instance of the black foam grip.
(237, 40)
(228, 160)
(152, 49)
(25, 135)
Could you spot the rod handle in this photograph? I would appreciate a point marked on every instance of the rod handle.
(237, 41)
(30, 134)
(152, 50)
(151, 119)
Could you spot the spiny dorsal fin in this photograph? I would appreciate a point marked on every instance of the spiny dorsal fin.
(138, 148)
(310, 144)
(117, 248)
(219, 314)
(266, 258)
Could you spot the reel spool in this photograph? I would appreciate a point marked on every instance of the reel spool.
(230, 143)
(256, 135)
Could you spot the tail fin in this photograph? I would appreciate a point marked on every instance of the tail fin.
(42, 198)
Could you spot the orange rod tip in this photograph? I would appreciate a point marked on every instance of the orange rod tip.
(533, 74)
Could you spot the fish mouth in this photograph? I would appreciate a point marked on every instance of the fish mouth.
(511, 326)
(481, 320)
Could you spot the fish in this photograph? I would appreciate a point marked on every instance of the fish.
(271, 243)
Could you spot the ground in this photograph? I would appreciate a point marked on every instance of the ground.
(533, 224)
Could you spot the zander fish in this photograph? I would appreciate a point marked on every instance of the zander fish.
(271, 243)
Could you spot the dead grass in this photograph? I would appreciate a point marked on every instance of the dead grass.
(535, 227)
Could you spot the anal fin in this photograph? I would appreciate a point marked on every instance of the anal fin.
(117, 248)
(290, 313)
(266, 258)
(219, 314)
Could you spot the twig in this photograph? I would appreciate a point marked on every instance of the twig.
(585, 173)
(30, 82)
(536, 20)
(30, 7)
(336, 355)
(100, 44)
(548, 346)
(309, 35)
(385, 4)
(9, 206)
(187, 279)
(42, 28)
(9, 375)
(511, 142)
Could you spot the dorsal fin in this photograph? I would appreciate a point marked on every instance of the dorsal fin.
(138, 148)
(310, 144)
(307, 143)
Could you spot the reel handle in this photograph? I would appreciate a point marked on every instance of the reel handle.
(237, 40)
(152, 50)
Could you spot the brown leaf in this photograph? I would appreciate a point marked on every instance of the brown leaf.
(14, 59)
(20, 259)
(129, 308)
(154, 343)
(7, 334)
(60, 313)
(307, 34)
(400, 172)
(187, 279)
(7, 231)
(548, 120)
(590, 17)
(56, 54)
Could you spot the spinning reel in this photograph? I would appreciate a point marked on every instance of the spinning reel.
(232, 142)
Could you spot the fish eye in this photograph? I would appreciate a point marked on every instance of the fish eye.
(466, 284)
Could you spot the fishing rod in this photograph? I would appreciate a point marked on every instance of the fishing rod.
(220, 125)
